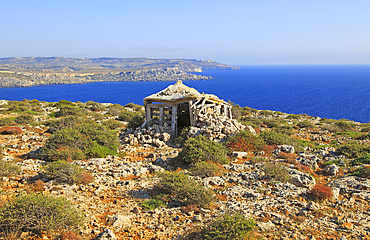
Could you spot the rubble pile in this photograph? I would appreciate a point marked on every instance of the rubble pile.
(217, 127)
(155, 135)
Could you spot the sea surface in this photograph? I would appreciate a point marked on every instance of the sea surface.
(329, 91)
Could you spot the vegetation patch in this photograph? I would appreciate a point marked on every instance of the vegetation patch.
(65, 172)
(200, 149)
(7, 169)
(86, 141)
(277, 172)
(206, 169)
(153, 204)
(245, 141)
(229, 226)
(37, 213)
(320, 192)
(185, 189)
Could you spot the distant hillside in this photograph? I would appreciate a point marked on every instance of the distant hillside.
(33, 71)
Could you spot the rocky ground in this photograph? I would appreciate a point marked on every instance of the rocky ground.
(112, 203)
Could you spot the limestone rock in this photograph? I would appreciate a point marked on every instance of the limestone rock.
(302, 179)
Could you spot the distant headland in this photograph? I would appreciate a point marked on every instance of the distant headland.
(35, 71)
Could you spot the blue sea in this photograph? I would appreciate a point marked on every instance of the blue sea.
(330, 91)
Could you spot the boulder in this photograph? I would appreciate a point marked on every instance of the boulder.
(301, 179)
(331, 170)
(107, 234)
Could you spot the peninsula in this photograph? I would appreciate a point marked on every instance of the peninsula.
(35, 71)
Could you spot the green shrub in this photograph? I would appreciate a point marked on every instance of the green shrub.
(67, 110)
(185, 189)
(353, 150)
(92, 139)
(245, 141)
(293, 116)
(6, 121)
(365, 128)
(275, 138)
(305, 124)
(206, 169)
(331, 128)
(153, 204)
(115, 109)
(229, 226)
(112, 124)
(63, 102)
(345, 125)
(7, 169)
(37, 213)
(136, 121)
(126, 116)
(236, 111)
(134, 106)
(24, 118)
(67, 122)
(65, 172)
(361, 172)
(277, 172)
(201, 149)
(95, 106)
(64, 153)
(183, 136)
(331, 162)
(349, 134)
(364, 159)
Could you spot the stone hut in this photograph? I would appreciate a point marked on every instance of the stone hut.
(180, 106)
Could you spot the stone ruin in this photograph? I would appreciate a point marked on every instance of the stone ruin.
(177, 107)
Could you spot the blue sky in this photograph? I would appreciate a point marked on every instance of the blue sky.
(233, 32)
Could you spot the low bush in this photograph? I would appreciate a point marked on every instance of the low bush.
(320, 192)
(67, 110)
(92, 140)
(200, 149)
(126, 116)
(353, 135)
(11, 130)
(277, 172)
(364, 159)
(353, 150)
(95, 106)
(7, 169)
(136, 121)
(276, 138)
(305, 124)
(24, 118)
(112, 124)
(206, 169)
(345, 125)
(153, 204)
(362, 172)
(67, 122)
(229, 226)
(65, 172)
(6, 121)
(115, 109)
(64, 153)
(185, 189)
(331, 162)
(245, 141)
(37, 213)
(135, 107)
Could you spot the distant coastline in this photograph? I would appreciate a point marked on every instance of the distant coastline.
(37, 71)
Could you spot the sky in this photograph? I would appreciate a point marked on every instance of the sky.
(245, 32)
